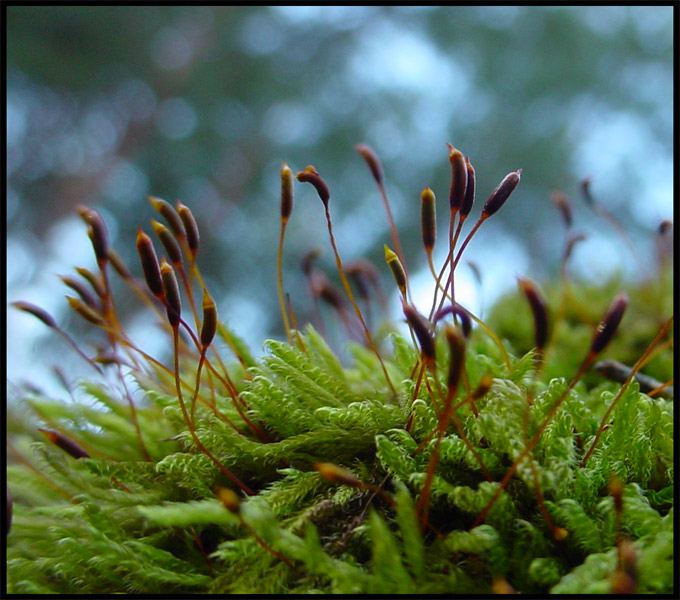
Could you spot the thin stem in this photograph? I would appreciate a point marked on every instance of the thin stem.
(187, 420)
(350, 295)
(279, 279)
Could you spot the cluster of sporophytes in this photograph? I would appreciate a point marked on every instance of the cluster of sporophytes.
(458, 457)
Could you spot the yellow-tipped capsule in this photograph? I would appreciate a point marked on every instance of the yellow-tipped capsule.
(230, 500)
(169, 214)
(169, 242)
(190, 227)
(171, 291)
(337, 474)
(286, 192)
(397, 269)
(428, 218)
(84, 310)
(209, 326)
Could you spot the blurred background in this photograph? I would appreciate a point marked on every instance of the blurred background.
(202, 104)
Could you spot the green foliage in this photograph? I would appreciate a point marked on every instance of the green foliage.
(120, 522)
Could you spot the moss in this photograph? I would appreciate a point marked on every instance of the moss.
(418, 507)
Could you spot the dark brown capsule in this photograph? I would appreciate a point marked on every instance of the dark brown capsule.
(66, 444)
(190, 227)
(169, 214)
(171, 292)
(310, 175)
(169, 242)
(421, 330)
(97, 232)
(149, 260)
(607, 328)
(372, 161)
(469, 199)
(539, 311)
(458, 178)
(286, 192)
(456, 342)
(501, 193)
(209, 326)
(428, 218)
(37, 312)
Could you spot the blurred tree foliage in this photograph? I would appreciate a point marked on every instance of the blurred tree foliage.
(108, 104)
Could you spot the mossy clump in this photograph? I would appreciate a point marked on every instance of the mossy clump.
(433, 461)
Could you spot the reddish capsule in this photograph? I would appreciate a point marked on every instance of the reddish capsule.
(421, 330)
(458, 178)
(456, 342)
(469, 199)
(501, 193)
(461, 313)
(539, 310)
(171, 291)
(607, 328)
(149, 260)
(311, 175)
(190, 227)
(66, 444)
(372, 161)
(209, 326)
